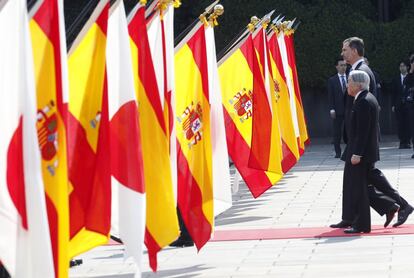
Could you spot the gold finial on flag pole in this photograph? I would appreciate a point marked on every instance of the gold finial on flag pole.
(217, 11)
(176, 3)
(265, 22)
(252, 25)
(163, 5)
(276, 24)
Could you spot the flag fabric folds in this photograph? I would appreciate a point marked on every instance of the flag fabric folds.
(263, 87)
(293, 86)
(304, 137)
(161, 216)
(195, 180)
(49, 52)
(25, 248)
(290, 151)
(221, 170)
(160, 28)
(237, 84)
(88, 136)
(289, 82)
(125, 136)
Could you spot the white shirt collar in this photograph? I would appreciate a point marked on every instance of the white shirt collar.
(339, 75)
(356, 96)
(356, 63)
(402, 76)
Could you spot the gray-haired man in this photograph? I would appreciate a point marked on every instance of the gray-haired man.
(362, 149)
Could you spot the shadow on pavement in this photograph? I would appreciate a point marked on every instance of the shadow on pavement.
(176, 273)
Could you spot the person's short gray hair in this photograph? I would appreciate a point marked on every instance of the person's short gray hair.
(360, 77)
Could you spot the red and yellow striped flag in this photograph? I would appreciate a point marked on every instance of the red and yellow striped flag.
(289, 82)
(195, 180)
(88, 136)
(49, 52)
(289, 143)
(237, 83)
(290, 47)
(160, 27)
(262, 86)
(162, 223)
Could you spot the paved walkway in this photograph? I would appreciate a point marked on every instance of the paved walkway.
(281, 231)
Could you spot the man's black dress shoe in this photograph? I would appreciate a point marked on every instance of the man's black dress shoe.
(117, 239)
(412, 156)
(403, 215)
(342, 224)
(338, 155)
(355, 231)
(390, 215)
(182, 243)
(405, 146)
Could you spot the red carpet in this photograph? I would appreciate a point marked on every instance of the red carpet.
(292, 233)
(295, 233)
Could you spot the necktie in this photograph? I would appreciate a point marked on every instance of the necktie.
(343, 82)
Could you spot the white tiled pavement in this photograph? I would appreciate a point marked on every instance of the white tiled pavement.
(308, 196)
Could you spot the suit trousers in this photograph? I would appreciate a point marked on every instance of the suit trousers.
(412, 123)
(380, 182)
(403, 116)
(355, 196)
(184, 234)
(338, 126)
(381, 203)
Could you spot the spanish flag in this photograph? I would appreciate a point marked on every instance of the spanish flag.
(162, 223)
(88, 136)
(290, 149)
(304, 137)
(49, 52)
(195, 180)
(291, 88)
(237, 84)
(25, 247)
(263, 88)
(160, 27)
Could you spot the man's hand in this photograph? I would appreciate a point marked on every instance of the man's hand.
(333, 114)
(393, 108)
(355, 159)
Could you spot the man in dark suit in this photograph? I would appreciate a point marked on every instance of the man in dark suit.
(377, 82)
(382, 196)
(409, 88)
(401, 107)
(362, 149)
(336, 95)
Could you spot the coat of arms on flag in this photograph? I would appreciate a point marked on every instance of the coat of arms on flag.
(242, 104)
(276, 89)
(191, 120)
(47, 132)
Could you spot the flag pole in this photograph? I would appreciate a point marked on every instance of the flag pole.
(180, 38)
(70, 30)
(240, 38)
(33, 6)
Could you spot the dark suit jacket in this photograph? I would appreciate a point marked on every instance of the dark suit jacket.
(399, 95)
(409, 85)
(335, 95)
(349, 100)
(363, 133)
(372, 81)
